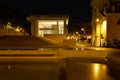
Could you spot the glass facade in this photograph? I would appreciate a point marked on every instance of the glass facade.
(50, 27)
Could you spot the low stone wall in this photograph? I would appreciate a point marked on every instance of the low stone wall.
(56, 37)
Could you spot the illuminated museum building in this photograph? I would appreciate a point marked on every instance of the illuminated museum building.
(105, 21)
(47, 24)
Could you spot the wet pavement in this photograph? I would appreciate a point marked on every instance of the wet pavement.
(87, 71)
(83, 64)
(29, 70)
(90, 71)
(42, 64)
(64, 69)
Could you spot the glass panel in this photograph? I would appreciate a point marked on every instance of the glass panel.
(61, 27)
(50, 27)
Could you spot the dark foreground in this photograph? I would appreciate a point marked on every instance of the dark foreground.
(56, 70)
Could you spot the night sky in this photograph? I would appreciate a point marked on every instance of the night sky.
(77, 10)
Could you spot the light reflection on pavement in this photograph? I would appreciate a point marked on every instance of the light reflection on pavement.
(87, 71)
(66, 65)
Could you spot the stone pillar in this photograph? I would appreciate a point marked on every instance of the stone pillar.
(65, 28)
(34, 28)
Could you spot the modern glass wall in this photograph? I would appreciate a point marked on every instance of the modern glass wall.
(50, 27)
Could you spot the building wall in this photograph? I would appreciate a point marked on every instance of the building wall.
(113, 24)
(98, 29)
(107, 11)
(33, 28)
(96, 8)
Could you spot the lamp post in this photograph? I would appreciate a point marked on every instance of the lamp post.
(82, 29)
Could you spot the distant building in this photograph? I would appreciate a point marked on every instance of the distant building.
(47, 24)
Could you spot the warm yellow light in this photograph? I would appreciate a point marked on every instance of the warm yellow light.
(97, 20)
(61, 23)
(50, 27)
(48, 22)
(76, 49)
(96, 67)
(67, 22)
(104, 25)
(82, 29)
(68, 37)
(77, 33)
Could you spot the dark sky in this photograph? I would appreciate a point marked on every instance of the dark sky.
(79, 10)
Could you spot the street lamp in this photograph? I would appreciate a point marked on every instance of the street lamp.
(97, 20)
(82, 29)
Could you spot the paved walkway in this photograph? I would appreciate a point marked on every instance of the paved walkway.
(84, 64)
(90, 52)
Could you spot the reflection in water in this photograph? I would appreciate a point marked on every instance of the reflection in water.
(100, 71)
(9, 67)
(96, 67)
(96, 70)
(49, 70)
(87, 71)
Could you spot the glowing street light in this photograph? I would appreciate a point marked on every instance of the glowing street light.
(97, 20)
(82, 29)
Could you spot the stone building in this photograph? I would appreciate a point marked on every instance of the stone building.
(105, 15)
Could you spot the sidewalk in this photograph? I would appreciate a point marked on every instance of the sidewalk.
(82, 45)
